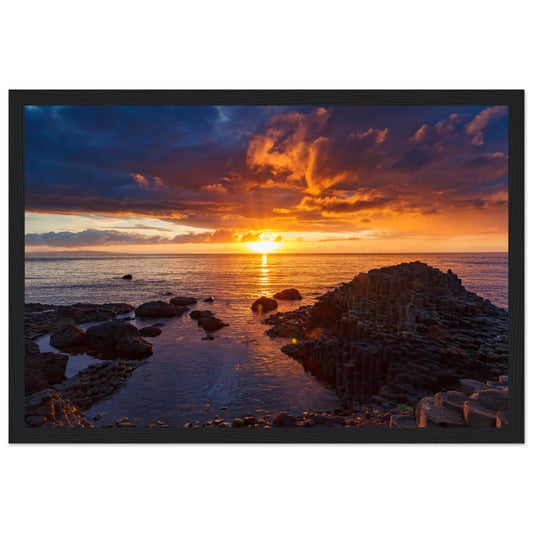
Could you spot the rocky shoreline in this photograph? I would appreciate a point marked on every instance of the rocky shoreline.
(401, 345)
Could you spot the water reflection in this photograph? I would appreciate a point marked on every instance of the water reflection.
(264, 279)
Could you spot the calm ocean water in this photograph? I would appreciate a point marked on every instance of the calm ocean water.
(189, 379)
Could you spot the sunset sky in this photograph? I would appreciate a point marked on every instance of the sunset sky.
(214, 179)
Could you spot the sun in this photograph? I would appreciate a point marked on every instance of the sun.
(265, 245)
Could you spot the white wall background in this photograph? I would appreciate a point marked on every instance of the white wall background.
(261, 45)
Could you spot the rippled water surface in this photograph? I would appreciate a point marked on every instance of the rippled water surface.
(242, 369)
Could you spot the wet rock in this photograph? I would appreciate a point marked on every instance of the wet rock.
(288, 294)
(66, 337)
(183, 300)
(40, 319)
(107, 334)
(96, 382)
(211, 323)
(127, 276)
(264, 305)
(196, 315)
(238, 423)
(158, 309)
(150, 331)
(133, 347)
(210, 299)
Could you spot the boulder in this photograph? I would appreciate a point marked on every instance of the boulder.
(107, 334)
(133, 347)
(288, 294)
(211, 323)
(477, 416)
(158, 309)
(150, 331)
(196, 315)
(264, 305)
(127, 276)
(67, 336)
(210, 299)
(183, 300)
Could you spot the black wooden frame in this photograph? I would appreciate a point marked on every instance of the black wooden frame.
(514, 99)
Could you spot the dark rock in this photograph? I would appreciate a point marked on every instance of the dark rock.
(477, 416)
(452, 400)
(183, 300)
(31, 347)
(470, 386)
(67, 336)
(402, 421)
(238, 423)
(42, 370)
(249, 421)
(435, 416)
(54, 411)
(107, 334)
(196, 315)
(158, 309)
(502, 420)
(133, 347)
(210, 299)
(493, 399)
(150, 331)
(127, 276)
(284, 420)
(40, 319)
(264, 305)
(211, 323)
(288, 294)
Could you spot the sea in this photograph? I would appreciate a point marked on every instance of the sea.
(242, 370)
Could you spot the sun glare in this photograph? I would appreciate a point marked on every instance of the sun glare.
(265, 245)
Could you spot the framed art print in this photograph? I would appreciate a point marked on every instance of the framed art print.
(266, 266)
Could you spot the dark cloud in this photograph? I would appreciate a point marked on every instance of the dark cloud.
(246, 168)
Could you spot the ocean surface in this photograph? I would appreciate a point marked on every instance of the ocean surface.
(242, 371)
